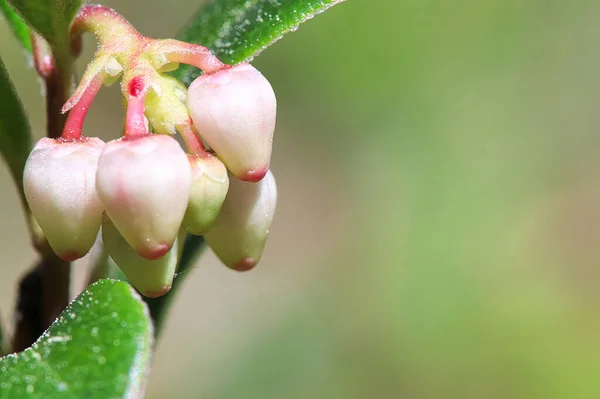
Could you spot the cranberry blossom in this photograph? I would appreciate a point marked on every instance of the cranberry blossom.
(153, 278)
(240, 232)
(143, 188)
(59, 183)
(144, 185)
(208, 189)
(234, 111)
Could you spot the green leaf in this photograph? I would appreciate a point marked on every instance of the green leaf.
(238, 30)
(16, 24)
(51, 19)
(15, 135)
(99, 347)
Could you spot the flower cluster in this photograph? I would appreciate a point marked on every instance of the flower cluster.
(143, 189)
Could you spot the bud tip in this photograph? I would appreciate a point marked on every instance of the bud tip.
(244, 265)
(255, 175)
(71, 256)
(158, 293)
(156, 252)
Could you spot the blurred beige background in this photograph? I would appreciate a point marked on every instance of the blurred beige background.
(439, 216)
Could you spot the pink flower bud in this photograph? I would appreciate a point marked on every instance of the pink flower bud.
(240, 232)
(234, 110)
(209, 188)
(144, 185)
(59, 183)
(153, 278)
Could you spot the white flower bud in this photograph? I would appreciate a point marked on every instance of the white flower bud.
(153, 278)
(208, 191)
(234, 111)
(144, 185)
(59, 183)
(239, 234)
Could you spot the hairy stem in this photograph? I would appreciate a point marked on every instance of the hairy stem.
(104, 23)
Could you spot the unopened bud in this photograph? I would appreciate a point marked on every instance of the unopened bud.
(153, 278)
(234, 110)
(208, 191)
(59, 183)
(239, 234)
(144, 185)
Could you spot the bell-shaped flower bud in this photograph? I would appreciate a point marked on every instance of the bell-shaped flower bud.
(208, 191)
(144, 185)
(59, 183)
(239, 234)
(234, 110)
(153, 278)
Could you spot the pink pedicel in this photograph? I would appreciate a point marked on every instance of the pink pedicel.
(59, 182)
(234, 110)
(144, 185)
(239, 235)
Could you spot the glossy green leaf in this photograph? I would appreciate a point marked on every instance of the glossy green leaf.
(16, 24)
(51, 19)
(15, 135)
(99, 347)
(238, 30)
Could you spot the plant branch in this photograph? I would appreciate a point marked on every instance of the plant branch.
(28, 313)
(2, 343)
(58, 88)
(44, 291)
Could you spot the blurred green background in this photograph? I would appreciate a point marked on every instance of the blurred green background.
(439, 216)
